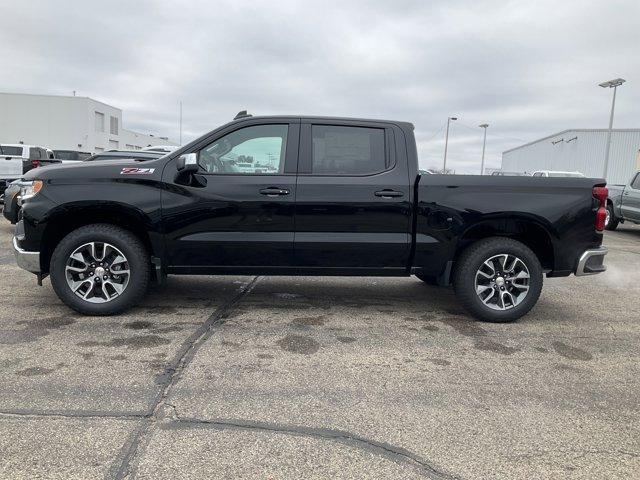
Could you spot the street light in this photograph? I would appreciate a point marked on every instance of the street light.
(446, 144)
(615, 83)
(484, 144)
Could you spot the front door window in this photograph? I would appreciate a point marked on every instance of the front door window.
(255, 150)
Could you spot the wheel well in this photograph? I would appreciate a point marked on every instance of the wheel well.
(58, 228)
(531, 234)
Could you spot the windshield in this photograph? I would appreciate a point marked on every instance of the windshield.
(9, 150)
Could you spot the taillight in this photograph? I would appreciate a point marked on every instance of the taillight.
(35, 163)
(601, 194)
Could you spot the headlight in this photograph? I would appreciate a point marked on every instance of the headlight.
(30, 189)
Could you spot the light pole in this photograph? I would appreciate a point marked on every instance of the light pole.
(446, 144)
(615, 83)
(180, 122)
(484, 144)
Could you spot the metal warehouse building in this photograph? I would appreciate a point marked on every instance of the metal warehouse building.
(68, 123)
(579, 150)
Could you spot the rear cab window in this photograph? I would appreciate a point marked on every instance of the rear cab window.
(345, 150)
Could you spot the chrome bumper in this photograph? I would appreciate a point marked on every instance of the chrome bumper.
(30, 261)
(592, 262)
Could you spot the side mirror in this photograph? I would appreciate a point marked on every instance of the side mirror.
(187, 162)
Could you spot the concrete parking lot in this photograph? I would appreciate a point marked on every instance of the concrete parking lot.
(281, 377)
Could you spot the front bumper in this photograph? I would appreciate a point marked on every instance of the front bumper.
(30, 261)
(591, 262)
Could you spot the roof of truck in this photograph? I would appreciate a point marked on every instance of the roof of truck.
(319, 117)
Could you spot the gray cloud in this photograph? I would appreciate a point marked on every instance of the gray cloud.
(526, 68)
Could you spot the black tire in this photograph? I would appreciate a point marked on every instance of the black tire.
(127, 243)
(470, 261)
(613, 222)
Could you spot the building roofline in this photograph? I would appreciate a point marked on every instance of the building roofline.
(80, 97)
(577, 130)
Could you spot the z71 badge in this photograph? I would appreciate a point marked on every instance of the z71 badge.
(136, 171)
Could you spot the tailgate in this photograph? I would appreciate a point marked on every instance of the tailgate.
(10, 166)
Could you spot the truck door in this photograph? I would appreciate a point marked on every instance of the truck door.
(237, 212)
(631, 200)
(353, 198)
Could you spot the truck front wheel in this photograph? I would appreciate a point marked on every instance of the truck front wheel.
(100, 269)
(498, 279)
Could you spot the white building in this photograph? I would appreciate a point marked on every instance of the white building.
(68, 123)
(579, 150)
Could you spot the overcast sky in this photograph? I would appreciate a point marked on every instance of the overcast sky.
(528, 68)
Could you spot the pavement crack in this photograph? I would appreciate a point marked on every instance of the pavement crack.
(74, 415)
(392, 452)
(173, 372)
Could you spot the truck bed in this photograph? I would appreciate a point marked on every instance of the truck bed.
(554, 216)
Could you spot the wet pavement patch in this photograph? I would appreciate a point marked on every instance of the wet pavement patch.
(48, 323)
(298, 344)
(34, 329)
(138, 325)
(346, 339)
(572, 353)
(309, 321)
(135, 343)
(495, 347)
(161, 310)
(35, 371)
(439, 361)
(466, 327)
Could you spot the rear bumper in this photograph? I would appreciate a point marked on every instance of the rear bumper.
(29, 261)
(591, 262)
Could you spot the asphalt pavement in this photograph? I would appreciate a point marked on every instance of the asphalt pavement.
(300, 377)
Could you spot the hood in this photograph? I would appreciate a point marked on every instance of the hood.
(92, 169)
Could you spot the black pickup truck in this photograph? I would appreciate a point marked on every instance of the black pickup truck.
(305, 196)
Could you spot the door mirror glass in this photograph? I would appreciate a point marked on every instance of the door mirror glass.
(187, 162)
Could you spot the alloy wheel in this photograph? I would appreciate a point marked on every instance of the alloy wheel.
(97, 272)
(502, 281)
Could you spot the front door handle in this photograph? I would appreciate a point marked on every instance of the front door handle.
(388, 193)
(274, 191)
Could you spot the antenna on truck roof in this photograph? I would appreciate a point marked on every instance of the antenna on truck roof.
(242, 114)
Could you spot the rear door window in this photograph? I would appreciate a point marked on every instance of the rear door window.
(344, 150)
(636, 182)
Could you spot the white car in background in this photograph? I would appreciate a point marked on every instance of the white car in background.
(160, 148)
(556, 173)
(16, 159)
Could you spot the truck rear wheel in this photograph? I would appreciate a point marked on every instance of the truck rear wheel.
(100, 269)
(611, 222)
(498, 279)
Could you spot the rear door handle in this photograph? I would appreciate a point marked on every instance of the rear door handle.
(274, 191)
(388, 194)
